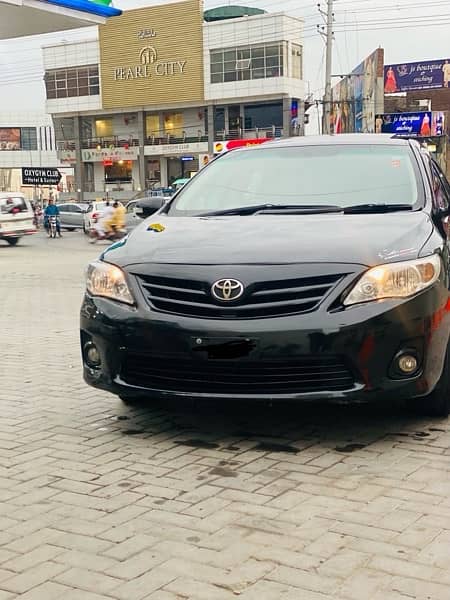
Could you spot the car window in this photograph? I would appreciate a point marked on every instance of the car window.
(441, 197)
(13, 204)
(62, 207)
(343, 175)
(131, 207)
(76, 209)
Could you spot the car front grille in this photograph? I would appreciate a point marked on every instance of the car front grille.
(301, 375)
(273, 298)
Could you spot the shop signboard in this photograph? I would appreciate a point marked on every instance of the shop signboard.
(67, 156)
(177, 149)
(425, 75)
(225, 146)
(40, 176)
(420, 124)
(110, 154)
(9, 138)
(153, 55)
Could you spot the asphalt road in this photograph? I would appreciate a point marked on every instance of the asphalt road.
(199, 501)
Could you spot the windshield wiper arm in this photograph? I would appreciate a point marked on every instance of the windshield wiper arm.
(273, 208)
(375, 208)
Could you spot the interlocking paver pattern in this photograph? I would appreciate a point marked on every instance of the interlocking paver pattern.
(100, 501)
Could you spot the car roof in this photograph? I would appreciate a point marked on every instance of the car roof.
(341, 139)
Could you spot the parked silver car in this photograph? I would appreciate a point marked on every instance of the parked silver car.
(71, 216)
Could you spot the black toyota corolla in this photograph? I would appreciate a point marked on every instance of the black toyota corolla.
(302, 269)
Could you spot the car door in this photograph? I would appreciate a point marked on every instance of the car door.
(77, 216)
(64, 214)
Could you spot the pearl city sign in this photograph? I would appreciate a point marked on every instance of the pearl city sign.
(149, 66)
(144, 61)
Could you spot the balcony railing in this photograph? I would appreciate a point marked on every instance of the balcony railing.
(272, 131)
(156, 139)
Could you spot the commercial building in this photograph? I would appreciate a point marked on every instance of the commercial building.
(163, 87)
(27, 140)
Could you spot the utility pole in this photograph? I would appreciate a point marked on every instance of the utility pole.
(328, 35)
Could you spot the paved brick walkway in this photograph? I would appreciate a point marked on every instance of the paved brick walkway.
(101, 501)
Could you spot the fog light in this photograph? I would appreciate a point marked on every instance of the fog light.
(407, 364)
(92, 355)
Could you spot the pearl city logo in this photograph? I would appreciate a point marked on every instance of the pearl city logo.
(149, 66)
(148, 55)
(227, 290)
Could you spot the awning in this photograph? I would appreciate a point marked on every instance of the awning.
(32, 17)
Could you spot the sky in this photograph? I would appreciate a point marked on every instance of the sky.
(407, 30)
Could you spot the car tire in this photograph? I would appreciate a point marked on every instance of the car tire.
(437, 404)
(12, 241)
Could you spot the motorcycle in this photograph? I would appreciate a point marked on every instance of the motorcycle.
(111, 236)
(52, 226)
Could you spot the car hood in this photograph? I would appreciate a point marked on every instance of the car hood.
(366, 239)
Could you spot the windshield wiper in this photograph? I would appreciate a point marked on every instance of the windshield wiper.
(273, 208)
(375, 208)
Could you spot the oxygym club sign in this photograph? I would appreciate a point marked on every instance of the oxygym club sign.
(144, 57)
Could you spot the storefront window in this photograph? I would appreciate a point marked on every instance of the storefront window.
(263, 115)
(103, 127)
(152, 126)
(120, 171)
(153, 171)
(173, 124)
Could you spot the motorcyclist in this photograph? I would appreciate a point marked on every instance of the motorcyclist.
(51, 210)
(117, 220)
(101, 227)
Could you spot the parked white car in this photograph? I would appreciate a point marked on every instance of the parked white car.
(94, 212)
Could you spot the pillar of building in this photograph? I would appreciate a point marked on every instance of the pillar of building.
(211, 132)
(142, 136)
(79, 174)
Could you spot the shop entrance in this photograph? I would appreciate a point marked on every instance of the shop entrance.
(181, 167)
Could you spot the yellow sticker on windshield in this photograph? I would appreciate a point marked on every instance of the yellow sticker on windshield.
(156, 227)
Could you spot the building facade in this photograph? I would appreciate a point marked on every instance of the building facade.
(161, 89)
(27, 140)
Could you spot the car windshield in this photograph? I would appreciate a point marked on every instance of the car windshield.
(335, 175)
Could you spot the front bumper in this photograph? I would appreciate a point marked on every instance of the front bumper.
(147, 353)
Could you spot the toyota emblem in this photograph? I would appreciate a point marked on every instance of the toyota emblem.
(227, 290)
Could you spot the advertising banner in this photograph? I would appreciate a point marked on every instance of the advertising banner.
(425, 75)
(420, 124)
(359, 96)
(9, 138)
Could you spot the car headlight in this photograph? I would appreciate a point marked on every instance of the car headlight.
(104, 279)
(395, 280)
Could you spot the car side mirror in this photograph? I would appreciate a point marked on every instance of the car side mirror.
(148, 206)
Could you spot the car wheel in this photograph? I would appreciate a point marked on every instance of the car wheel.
(12, 241)
(437, 404)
